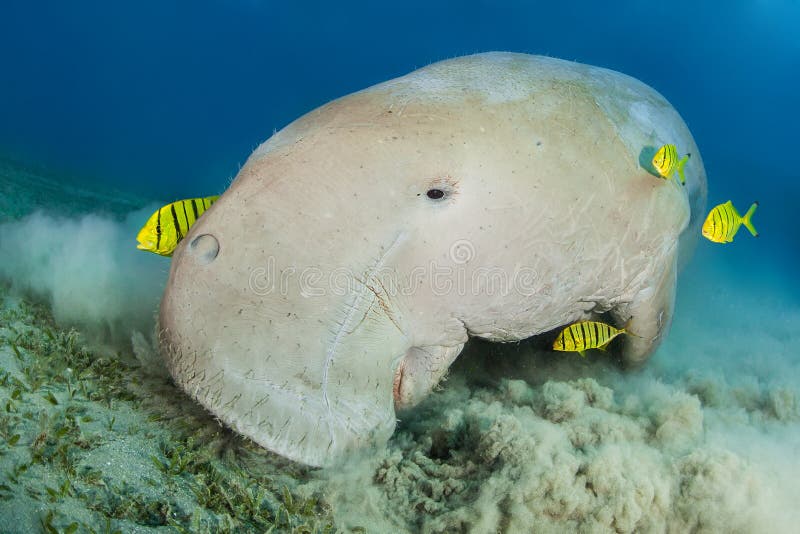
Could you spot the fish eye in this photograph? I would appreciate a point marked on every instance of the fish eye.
(435, 194)
(158, 228)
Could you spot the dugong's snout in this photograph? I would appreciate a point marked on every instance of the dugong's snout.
(264, 338)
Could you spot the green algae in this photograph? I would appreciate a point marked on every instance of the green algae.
(90, 441)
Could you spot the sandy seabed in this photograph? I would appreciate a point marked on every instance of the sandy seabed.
(94, 437)
(702, 439)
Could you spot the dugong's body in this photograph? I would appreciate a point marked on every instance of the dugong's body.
(498, 195)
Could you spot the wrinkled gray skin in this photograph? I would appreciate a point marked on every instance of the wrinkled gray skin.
(325, 290)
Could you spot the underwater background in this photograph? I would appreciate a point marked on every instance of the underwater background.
(109, 110)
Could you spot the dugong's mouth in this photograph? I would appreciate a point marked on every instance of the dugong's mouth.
(413, 378)
(397, 385)
(419, 371)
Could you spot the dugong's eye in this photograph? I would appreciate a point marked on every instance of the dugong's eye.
(435, 194)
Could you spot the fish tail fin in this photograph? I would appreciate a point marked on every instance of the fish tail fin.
(681, 164)
(747, 219)
(626, 329)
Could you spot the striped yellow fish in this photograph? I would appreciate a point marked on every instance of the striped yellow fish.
(169, 224)
(724, 221)
(585, 335)
(666, 162)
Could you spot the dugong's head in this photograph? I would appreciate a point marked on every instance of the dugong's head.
(341, 273)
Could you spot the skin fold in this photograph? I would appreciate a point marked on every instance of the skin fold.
(330, 286)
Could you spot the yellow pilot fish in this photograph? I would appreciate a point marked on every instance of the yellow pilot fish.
(666, 162)
(585, 335)
(724, 221)
(169, 224)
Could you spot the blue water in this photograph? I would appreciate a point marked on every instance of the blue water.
(167, 99)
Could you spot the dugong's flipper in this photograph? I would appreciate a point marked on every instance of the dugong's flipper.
(648, 316)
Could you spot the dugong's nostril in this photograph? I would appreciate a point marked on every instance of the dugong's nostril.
(204, 248)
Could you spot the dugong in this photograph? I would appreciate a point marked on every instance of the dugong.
(497, 195)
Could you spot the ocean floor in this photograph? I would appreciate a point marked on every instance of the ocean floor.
(94, 437)
(99, 441)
